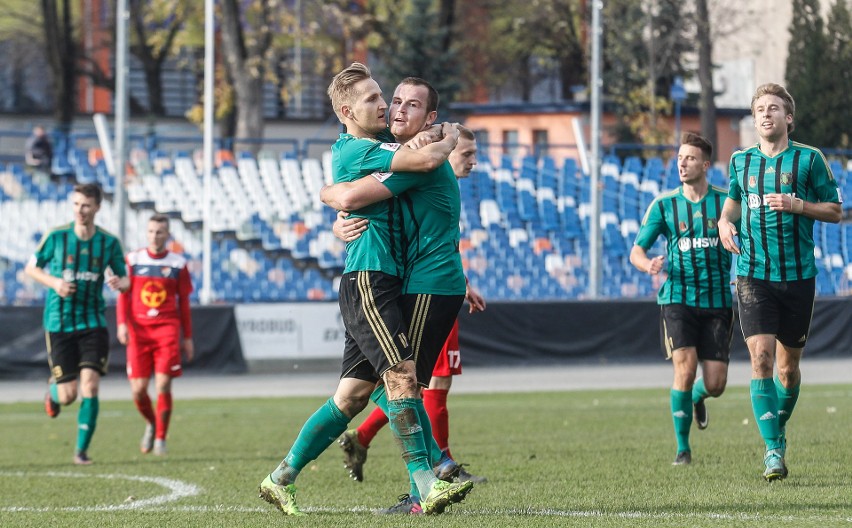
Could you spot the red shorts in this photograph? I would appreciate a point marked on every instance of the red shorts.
(153, 349)
(449, 361)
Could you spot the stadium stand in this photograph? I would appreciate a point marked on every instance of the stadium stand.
(524, 223)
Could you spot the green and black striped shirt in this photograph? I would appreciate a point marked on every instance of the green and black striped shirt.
(64, 255)
(698, 267)
(774, 245)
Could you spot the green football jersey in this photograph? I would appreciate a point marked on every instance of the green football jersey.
(774, 245)
(379, 246)
(431, 208)
(83, 262)
(698, 266)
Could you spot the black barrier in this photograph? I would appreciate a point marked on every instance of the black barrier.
(609, 331)
(592, 332)
(23, 353)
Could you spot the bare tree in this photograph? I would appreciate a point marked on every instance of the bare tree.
(707, 99)
(246, 41)
(61, 51)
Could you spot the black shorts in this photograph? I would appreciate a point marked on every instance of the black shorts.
(376, 333)
(709, 330)
(70, 352)
(782, 309)
(431, 317)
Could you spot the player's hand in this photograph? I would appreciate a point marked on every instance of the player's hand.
(424, 137)
(117, 283)
(784, 203)
(121, 333)
(474, 299)
(656, 265)
(348, 229)
(450, 132)
(727, 232)
(188, 349)
(63, 288)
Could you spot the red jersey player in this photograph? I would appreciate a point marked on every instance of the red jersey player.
(151, 316)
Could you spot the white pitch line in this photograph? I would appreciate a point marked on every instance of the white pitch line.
(177, 490)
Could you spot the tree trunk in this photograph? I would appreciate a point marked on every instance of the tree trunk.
(707, 102)
(61, 54)
(247, 73)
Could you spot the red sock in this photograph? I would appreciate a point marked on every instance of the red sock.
(164, 414)
(435, 401)
(372, 425)
(145, 409)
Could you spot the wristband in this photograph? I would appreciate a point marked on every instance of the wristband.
(797, 206)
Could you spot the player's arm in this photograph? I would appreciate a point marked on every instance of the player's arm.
(117, 280)
(822, 211)
(57, 284)
(122, 313)
(639, 259)
(728, 220)
(473, 298)
(653, 225)
(428, 157)
(348, 229)
(184, 290)
(349, 196)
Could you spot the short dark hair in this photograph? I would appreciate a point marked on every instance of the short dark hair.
(466, 133)
(432, 99)
(696, 140)
(90, 190)
(160, 218)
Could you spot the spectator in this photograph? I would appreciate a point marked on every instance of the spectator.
(39, 151)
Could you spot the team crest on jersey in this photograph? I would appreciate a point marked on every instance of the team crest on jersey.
(68, 275)
(754, 201)
(681, 226)
(153, 295)
(393, 147)
(381, 176)
(84, 251)
(752, 181)
(70, 259)
(166, 271)
(786, 178)
(96, 263)
(711, 223)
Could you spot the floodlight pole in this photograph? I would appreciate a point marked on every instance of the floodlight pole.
(206, 294)
(595, 239)
(121, 100)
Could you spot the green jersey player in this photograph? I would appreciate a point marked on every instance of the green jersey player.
(377, 345)
(696, 317)
(778, 189)
(74, 261)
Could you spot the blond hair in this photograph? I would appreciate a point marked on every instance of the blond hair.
(341, 91)
(778, 91)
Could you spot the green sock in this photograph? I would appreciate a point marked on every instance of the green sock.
(787, 399)
(681, 403)
(408, 432)
(87, 420)
(699, 392)
(380, 397)
(319, 432)
(54, 391)
(764, 403)
(432, 448)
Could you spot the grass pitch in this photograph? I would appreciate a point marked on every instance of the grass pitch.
(590, 458)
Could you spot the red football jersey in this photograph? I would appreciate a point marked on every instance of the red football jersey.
(159, 290)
